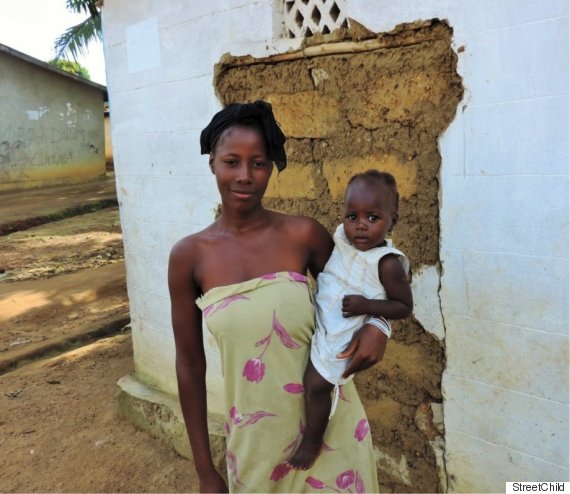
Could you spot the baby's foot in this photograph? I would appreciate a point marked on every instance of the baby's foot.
(306, 454)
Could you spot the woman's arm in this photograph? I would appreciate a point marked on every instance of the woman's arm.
(399, 302)
(320, 245)
(191, 361)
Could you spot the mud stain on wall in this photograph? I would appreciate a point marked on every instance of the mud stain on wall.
(344, 113)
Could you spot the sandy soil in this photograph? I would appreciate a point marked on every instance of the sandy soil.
(60, 280)
(59, 429)
(65, 246)
(59, 425)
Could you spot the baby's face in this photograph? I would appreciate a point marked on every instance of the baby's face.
(368, 214)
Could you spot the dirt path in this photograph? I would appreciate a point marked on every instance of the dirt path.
(62, 285)
(61, 280)
(22, 209)
(59, 429)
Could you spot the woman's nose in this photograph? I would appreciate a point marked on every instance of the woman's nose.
(244, 173)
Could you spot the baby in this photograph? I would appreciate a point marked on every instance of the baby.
(364, 282)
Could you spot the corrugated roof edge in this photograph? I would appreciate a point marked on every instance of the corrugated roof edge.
(53, 68)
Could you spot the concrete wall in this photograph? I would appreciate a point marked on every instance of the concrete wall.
(502, 304)
(51, 127)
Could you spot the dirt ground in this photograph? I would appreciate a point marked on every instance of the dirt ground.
(62, 286)
(61, 280)
(59, 429)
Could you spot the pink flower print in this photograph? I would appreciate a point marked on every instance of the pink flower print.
(254, 417)
(254, 370)
(283, 334)
(208, 311)
(361, 430)
(264, 341)
(341, 394)
(297, 276)
(294, 388)
(269, 276)
(280, 471)
(235, 415)
(326, 447)
(315, 483)
(298, 438)
(359, 484)
(232, 466)
(227, 427)
(345, 479)
(244, 419)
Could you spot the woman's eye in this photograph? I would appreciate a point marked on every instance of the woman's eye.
(230, 162)
(259, 164)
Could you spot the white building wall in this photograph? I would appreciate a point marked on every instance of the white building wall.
(160, 61)
(504, 238)
(504, 204)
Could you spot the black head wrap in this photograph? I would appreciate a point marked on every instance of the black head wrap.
(259, 112)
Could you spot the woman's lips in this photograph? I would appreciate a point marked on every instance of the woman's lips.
(242, 194)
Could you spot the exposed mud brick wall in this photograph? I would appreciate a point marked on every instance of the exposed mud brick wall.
(343, 114)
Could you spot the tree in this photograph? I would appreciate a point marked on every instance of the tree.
(75, 40)
(71, 66)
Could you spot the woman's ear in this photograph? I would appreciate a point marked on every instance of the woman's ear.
(211, 162)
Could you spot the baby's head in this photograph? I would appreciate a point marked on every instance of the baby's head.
(370, 209)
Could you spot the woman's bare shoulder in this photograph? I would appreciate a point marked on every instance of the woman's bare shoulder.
(188, 248)
(303, 225)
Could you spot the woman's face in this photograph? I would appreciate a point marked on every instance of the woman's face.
(242, 168)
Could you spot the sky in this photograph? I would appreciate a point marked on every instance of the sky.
(31, 26)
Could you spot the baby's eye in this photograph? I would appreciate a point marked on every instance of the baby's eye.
(351, 217)
(372, 218)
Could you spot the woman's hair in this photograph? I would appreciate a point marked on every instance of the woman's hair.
(378, 178)
(257, 115)
(247, 123)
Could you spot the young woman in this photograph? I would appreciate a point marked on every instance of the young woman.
(247, 274)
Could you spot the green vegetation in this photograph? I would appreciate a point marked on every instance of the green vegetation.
(71, 66)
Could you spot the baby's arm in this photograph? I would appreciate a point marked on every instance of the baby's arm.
(399, 302)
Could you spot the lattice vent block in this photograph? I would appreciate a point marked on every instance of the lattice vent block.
(303, 18)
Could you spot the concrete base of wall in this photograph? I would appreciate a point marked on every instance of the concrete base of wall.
(160, 415)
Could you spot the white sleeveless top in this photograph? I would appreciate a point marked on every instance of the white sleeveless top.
(349, 271)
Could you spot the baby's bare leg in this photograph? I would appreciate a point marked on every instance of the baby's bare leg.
(317, 409)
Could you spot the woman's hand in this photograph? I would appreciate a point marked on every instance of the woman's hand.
(213, 483)
(366, 349)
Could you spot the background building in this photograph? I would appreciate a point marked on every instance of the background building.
(51, 124)
(467, 104)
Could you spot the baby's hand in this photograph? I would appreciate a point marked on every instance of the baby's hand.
(354, 305)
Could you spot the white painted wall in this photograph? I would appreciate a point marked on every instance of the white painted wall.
(504, 238)
(504, 197)
(160, 60)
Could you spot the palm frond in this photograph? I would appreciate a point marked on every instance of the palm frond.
(87, 7)
(75, 40)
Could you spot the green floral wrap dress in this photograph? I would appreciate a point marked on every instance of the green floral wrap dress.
(263, 328)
